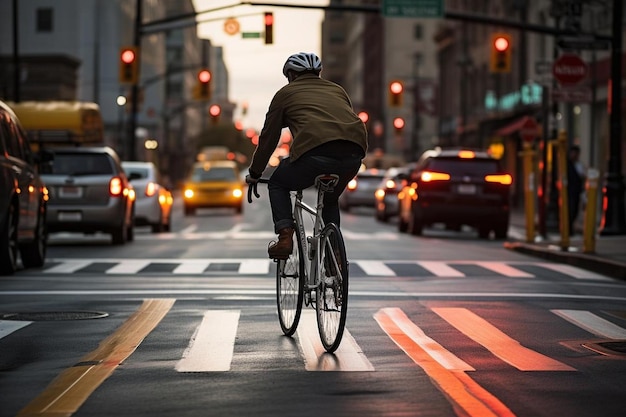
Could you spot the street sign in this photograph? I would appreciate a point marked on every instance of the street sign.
(529, 130)
(583, 43)
(569, 69)
(572, 95)
(413, 8)
(250, 35)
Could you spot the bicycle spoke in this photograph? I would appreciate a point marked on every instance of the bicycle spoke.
(289, 289)
(333, 290)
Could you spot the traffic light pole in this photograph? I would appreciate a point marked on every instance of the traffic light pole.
(131, 151)
(614, 221)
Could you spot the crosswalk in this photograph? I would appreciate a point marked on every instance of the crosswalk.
(214, 348)
(266, 267)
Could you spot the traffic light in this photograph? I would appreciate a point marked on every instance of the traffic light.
(500, 54)
(215, 110)
(269, 27)
(129, 65)
(396, 90)
(203, 87)
(398, 125)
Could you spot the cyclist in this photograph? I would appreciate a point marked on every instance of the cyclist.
(328, 137)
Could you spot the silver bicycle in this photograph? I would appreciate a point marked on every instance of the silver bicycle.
(316, 273)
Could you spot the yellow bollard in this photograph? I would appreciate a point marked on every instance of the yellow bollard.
(589, 228)
(561, 144)
(528, 155)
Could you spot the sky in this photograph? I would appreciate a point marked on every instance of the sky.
(255, 69)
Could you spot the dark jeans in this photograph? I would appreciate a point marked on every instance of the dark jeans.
(301, 174)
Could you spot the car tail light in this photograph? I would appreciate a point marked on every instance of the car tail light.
(390, 184)
(352, 185)
(428, 176)
(151, 189)
(380, 194)
(116, 188)
(467, 154)
(504, 179)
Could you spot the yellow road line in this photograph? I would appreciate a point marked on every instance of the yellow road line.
(70, 389)
(467, 397)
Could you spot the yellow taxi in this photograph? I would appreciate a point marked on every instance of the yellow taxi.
(213, 184)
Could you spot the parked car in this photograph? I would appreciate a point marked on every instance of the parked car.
(153, 204)
(387, 192)
(213, 184)
(89, 192)
(456, 187)
(23, 198)
(360, 190)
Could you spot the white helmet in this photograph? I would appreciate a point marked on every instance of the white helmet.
(303, 61)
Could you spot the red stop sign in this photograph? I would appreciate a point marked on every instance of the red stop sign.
(529, 129)
(569, 69)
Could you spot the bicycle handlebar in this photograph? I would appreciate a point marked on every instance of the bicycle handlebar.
(252, 188)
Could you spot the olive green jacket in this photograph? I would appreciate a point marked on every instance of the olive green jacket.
(316, 111)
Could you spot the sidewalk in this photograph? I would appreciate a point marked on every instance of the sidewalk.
(608, 259)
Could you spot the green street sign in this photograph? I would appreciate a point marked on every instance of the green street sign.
(413, 8)
(250, 35)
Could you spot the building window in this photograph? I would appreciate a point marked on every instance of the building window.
(418, 32)
(44, 20)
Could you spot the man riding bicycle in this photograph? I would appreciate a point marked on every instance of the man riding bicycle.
(328, 138)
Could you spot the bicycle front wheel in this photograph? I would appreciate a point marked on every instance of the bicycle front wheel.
(290, 288)
(332, 291)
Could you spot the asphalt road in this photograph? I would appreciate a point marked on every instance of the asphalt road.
(185, 324)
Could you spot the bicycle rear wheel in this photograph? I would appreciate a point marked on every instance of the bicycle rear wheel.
(332, 293)
(290, 288)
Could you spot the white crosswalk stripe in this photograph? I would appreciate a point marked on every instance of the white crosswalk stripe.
(263, 266)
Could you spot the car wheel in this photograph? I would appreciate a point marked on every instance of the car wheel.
(415, 225)
(239, 209)
(189, 211)
(501, 231)
(159, 226)
(402, 225)
(483, 232)
(118, 236)
(167, 227)
(8, 242)
(34, 253)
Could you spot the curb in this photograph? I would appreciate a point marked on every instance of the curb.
(592, 263)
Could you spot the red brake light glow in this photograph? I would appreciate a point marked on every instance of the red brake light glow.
(504, 179)
(115, 187)
(428, 176)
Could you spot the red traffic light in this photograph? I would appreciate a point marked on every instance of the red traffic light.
(364, 116)
(204, 76)
(501, 44)
(269, 27)
(269, 18)
(398, 123)
(128, 56)
(215, 110)
(396, 87)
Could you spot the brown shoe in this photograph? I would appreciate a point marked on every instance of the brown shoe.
(283, 248)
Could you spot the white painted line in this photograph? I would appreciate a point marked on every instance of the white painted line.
(588, 321)
(9, 326)
(376, 268)
(68, 266)
(504, 269)
(191, 267)
(211, 347)
(255, 266)
(498, 343)
(189, 229)
(440, 269)
(443, 356)
(128, 266)
(574, 271)
(348, 357)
